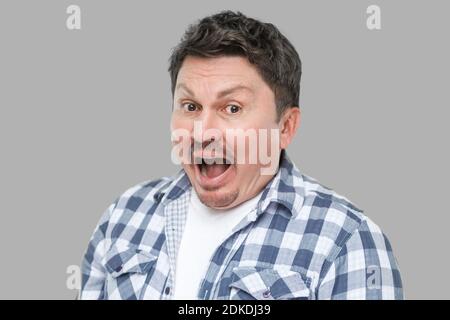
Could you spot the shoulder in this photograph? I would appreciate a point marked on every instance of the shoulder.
(335, 226)
(135, 200)
(145, 191)
(331, 214)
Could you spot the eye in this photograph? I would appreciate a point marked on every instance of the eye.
(232, 109)
(189, 107)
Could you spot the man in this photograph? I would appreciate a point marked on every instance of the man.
(228, 226)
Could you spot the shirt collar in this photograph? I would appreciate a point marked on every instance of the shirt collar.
(285, 188)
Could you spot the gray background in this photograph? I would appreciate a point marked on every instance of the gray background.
(85, 115)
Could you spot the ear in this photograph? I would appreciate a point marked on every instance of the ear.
(289, 123)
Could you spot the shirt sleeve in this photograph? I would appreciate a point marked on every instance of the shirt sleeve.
(364, 269)
(93, 273)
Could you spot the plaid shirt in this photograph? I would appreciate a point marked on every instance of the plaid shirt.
(302, 242)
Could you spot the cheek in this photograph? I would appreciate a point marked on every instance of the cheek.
(246, 173)
(178, 122)
(180, 137)
(266, 142)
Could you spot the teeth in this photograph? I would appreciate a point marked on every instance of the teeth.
(202, 159)
(214, 161)
(203, 170)
(204, 167)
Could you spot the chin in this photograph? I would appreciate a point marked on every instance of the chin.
(218, 199)
(214, 183)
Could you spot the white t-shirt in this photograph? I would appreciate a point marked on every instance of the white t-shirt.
(204, 232)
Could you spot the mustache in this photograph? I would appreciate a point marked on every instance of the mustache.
(211, 152)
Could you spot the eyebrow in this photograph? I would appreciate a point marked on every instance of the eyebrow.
(221, 94)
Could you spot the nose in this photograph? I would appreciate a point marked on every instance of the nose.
(209, 120)
(207, 128)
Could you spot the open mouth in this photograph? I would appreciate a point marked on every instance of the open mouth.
(212, 173)
(213, 169)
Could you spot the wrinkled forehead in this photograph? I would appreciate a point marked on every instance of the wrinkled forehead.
(218, 75)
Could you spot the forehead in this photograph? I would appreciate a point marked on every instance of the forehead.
(219, 72)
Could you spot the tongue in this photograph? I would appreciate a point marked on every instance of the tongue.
(215, 170)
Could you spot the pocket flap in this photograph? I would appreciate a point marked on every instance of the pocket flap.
(125, 259)
(269, 284)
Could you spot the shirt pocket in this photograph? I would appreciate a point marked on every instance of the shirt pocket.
(127, 270)
(250, 283)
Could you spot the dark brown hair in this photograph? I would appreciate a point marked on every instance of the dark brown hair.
(232, 33)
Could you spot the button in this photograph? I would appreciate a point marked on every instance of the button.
(167, 290)
(266, 293)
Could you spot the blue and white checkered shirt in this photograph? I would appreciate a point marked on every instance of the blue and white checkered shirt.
(302, 242)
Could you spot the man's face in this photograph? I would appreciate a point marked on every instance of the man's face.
(219, 94)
